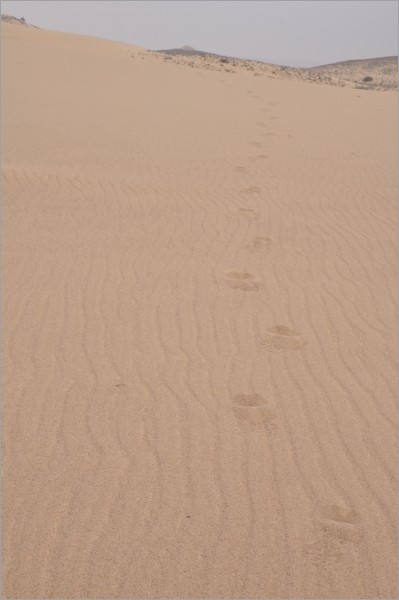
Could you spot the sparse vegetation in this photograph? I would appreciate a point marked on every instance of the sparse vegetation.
(352, 73)
(389, 86)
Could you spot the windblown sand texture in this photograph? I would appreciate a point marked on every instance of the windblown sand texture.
(199, 329)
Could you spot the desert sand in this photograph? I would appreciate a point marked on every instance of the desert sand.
(199, 328)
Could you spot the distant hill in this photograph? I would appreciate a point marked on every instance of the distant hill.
(287, 62)
(380, 73)
(383, 71)
(188, 51)
(16, 21)
(368, 73)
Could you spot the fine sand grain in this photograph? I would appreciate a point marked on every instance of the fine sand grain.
(199, 325)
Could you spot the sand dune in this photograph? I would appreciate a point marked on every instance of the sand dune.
(199, 329)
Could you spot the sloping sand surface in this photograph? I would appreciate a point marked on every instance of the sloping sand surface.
(199, 329)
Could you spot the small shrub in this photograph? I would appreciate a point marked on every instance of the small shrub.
(367, 79)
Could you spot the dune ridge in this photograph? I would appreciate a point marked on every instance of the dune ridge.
(199, 329)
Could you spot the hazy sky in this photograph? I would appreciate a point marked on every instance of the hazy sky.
(311, 32)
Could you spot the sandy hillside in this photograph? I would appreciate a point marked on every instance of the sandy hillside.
(199, 329)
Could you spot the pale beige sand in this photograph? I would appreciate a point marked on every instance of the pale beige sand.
(199, 319)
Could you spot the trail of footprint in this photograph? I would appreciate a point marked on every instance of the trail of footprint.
(240, 280)
(253, 411)
(259, 242)
(280, 338)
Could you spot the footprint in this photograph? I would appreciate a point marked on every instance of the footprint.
(282, 330)
(259, 242)
(341, 523)
(340, 514)
(256, 144)
(249, 213)
(339, 533)
(258, 157)
(324, 553)
(261, 123)
(240, 280)
(251, 190)
(249, 400)
(280, 338)
(268, 134)
(241, 170)
(253, 411)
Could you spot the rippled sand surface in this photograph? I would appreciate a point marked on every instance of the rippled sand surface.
(199, 328)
